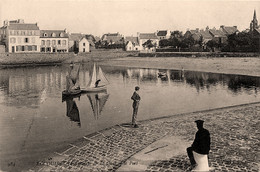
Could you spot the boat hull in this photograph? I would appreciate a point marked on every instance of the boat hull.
(75, 92)
(95, 89)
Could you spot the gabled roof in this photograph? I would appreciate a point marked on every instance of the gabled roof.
(132, 39)
(111, 35)
(217, 33)
(22, 26)
(114, 39)
(162, 33)
(76, 36)
(229, 29)
(148, 36)
(53, 34)
(205, 34)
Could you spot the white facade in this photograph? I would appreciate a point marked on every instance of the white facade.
(83, 45)
(27, 42)
(132, 47)
(54, 44)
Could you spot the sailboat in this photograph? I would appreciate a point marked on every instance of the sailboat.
(97, 75)
(97, 101)
(72, 81)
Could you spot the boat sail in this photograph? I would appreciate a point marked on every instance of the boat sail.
(72, 81)
(97, 75)
(97, 101)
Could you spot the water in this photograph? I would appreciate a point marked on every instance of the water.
(35, 121)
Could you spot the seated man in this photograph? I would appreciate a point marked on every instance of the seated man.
(201, 144)
(97, 82)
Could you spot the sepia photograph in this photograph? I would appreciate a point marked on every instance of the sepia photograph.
(129, 85)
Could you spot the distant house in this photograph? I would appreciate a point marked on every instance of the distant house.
(113, 38)
(163, 34)
(84, 45)
(132, 43)
(74, 38)
(218, 35)
(229, 30)
(54, 41)
(199, 35)
(144, 37)
(20, 37)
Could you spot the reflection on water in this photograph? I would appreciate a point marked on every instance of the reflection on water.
(35, 122)
(97, 101)
(72, 109)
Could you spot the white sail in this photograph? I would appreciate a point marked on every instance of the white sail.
(101, 76)
(93, 78)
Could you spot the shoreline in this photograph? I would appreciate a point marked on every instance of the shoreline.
(112, 148)
(237, 66)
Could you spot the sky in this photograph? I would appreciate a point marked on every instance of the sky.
(128, 17)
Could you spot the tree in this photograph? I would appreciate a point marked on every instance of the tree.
(148, 44)
(212, 44)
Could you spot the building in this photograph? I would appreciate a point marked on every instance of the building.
(76, 38)
(229, 30)
(132, 43)
(218, 36)
(54, 41)
(163, 34)
(20, 37)
(143, 39)
(113, 38)
(84, 45)
(254, 23)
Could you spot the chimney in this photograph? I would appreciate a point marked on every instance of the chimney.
(138, 34)
(6, 23)
(20, 21)
(235, 27)
(65, 30)
(207, 28)
(197, 30)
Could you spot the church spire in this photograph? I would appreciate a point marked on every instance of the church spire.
(254, 15)
(254, 22)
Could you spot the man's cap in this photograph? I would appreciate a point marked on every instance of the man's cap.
(199, 121)
(137, 88)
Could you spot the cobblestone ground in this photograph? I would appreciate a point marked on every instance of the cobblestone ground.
(235, 137)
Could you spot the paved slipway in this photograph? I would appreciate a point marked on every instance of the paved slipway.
(160, 144)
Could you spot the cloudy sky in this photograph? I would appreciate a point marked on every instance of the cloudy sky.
(129, 16)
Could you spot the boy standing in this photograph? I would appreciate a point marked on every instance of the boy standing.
(136, 99)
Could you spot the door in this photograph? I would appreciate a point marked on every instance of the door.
(13, 49)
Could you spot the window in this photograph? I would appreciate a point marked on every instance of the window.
(59, 42)
(33, 39)
(61, 34)
(11, 32)
(26, 40)
(42, 49)
(45, 34)
(22, 48)
(17, 49)
(43, 42)
(83, 49)
(19, 40)
(30, 32)
(48, 49)
(26, 48)
(23, 32)
(53, 42)
(48, 42)
(84, 44)
(53, 34)
(63, 42)
(12, 40)
(29, 48)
